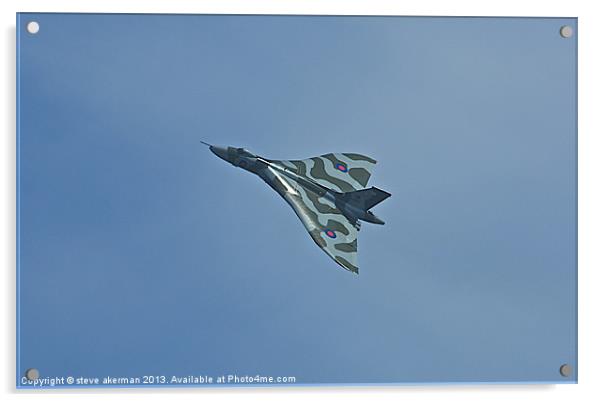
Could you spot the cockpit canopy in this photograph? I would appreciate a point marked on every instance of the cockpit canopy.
(244, 152)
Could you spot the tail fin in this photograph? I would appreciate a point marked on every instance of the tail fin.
(367, 198)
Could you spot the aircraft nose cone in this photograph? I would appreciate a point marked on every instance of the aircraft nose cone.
(221, 152)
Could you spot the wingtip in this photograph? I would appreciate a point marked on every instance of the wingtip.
(346, 265)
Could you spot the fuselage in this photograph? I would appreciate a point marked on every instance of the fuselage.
(271, 173)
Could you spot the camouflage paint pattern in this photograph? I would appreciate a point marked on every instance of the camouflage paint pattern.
(341, 172)
(317, 189)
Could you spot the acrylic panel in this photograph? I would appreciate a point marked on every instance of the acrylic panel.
(269, 200)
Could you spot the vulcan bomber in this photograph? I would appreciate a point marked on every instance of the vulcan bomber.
(328, 193)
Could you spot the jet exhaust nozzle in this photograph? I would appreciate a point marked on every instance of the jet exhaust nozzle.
(370, 217)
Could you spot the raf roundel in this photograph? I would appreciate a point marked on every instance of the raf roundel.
(330, 233)
(340, 167)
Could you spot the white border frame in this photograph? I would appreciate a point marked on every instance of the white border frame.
(590, 194)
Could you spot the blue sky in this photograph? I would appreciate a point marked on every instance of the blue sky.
(141, 253)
